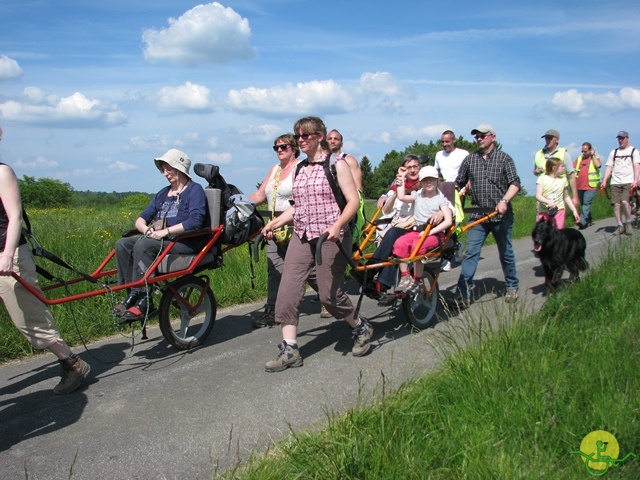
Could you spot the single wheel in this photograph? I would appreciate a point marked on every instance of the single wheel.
(187, 312)
(420, 309)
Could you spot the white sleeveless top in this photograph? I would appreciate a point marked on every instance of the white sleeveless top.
(284, 191)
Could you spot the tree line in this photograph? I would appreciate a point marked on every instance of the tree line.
(50, 193)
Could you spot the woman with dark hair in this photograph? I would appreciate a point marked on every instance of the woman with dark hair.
(277, 191)
(315, 212)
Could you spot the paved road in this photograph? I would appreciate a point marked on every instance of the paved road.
(156, 413)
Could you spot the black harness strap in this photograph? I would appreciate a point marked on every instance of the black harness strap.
(38, 251)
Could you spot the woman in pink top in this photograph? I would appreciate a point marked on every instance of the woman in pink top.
(315, 212)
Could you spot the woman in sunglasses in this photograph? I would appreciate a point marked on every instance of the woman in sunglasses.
(315, 212)
(276, 190)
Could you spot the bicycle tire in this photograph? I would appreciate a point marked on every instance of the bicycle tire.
(187, 327)
(420, 309)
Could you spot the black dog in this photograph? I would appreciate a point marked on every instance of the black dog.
(559, 250)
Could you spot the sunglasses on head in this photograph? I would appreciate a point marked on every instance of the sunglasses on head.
(282, 146)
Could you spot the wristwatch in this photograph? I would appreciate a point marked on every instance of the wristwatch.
(505, 201)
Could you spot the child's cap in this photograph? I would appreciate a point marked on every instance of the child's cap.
(428, 171)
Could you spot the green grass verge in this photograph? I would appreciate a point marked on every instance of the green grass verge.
(512, 406)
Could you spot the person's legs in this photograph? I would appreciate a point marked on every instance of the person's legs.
(586, 199)
(34, 320)
(124, 258)
(275, 266)
(276, 253)
(502, 232)
(558, 218)
(476, 237)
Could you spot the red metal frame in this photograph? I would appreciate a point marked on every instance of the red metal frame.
(147, 279)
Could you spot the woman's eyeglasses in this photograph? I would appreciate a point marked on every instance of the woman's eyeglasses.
(304, 136)
(282, 146)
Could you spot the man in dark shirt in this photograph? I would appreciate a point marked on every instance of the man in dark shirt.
(494, 182)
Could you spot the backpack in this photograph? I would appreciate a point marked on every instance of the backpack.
(356, 224)
(238, 214)
(242, 220)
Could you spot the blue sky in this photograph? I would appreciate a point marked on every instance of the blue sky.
(91, 91)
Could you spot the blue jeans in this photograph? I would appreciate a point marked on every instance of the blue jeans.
(387, 275)
(586, 197)
(476, 237)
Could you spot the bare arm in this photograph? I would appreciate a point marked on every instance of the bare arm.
(10, 196)
(355, 170)
(348, 187)
(259, 196)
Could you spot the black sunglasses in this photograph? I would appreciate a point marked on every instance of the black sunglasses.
(304, 136)
(282, 146)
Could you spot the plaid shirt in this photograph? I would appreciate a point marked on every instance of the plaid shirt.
(490, 180)
(315, 205)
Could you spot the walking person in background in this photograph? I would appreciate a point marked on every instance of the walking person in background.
(552, 193)
(447, 162)
(587, 168)
(315, 212)
(277, 191)
(30, 316)
(623, 166)
(551, 149)
(495, 183)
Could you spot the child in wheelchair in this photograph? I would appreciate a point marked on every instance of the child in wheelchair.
(431, 209)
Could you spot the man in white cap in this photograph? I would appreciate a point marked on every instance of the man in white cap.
(495, 182)
(551, 149)
(623, 166)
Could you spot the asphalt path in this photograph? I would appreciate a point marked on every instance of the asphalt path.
(151, 412)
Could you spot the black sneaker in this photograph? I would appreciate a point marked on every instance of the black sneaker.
(267, 319)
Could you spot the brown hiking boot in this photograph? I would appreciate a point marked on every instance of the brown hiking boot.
(288, 356)
(74, 370)
(267, 319)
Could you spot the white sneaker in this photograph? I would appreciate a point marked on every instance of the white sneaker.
(404, 283)
(446, 266)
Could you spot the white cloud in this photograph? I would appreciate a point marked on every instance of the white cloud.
(218, 158)
(74, 111)
(39, 163)
(322, 97)
(382, 83)
(421, 134)
(150, 143)
(207, 33)
(187, 98)
(9, 68)
(569, 102)
(572, 102)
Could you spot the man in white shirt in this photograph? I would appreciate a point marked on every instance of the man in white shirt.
(623, 166)
(448, 161)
